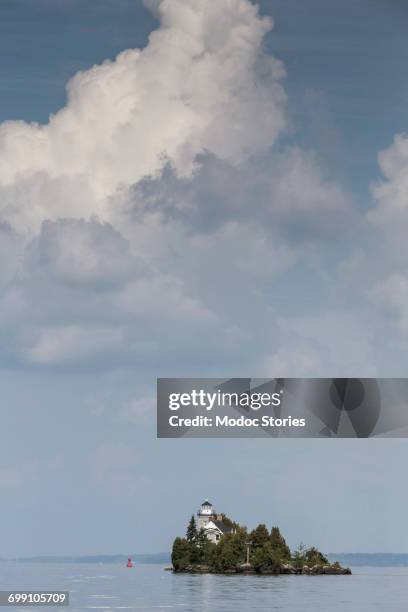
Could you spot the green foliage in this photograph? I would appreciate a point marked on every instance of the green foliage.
(269, 552)
(279, 545)
(266, 558)
(258, 537)
(180, 555)
(223, 557)
(191, 534)
(230, 523)
(298, 559)
(238, 542)
(201, 538)
(313, 556)
(308, 556)
(228, 553)
(202, 548)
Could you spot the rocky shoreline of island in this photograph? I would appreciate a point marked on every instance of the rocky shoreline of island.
(285, 569)
(222, 546)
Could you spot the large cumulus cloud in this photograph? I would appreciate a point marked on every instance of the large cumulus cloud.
(203, 83)
(159, 218)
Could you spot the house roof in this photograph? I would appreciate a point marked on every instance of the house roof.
(222, 527)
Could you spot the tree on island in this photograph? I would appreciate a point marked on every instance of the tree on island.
(272, 553)
(313, 557)
(181, 554)
(230, 551)
(200, 548)
(259, 536)
(278, 544)
(191, 534)
(201, 538)
(298, 557)
(230, 523)
(203, 544)
(309, 557)
(266, 558)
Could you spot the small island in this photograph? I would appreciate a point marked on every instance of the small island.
(215, 544)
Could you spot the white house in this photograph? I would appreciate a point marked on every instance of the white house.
(211, 522)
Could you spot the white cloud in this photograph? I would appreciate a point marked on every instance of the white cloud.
(81, 297)
(203, 83)
(285, 192)
(392, 193)
(11, 253)
(82, 253)
(383, 270)
(157, 214)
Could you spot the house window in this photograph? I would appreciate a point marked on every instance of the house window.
(217, 537)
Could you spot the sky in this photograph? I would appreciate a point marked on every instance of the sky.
(196, 189)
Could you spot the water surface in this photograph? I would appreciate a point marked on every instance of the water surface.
(149, 587)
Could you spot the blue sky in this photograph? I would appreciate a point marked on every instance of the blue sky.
(192, 211)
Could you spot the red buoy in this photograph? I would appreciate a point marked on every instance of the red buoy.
(129, 563)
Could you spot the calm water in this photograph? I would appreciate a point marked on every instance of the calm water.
(149, 587)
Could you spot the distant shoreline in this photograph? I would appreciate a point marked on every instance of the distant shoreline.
(371, 559)
(349, 559)
(149, 558)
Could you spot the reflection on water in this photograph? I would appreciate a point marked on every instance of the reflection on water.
(149, 587)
